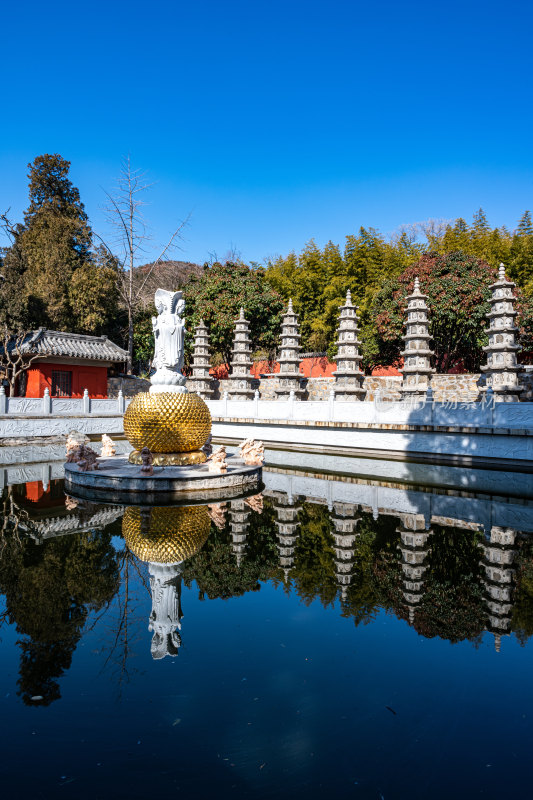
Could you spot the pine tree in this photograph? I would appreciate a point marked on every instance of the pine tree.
(525, 226)
(520, 262)
(55, 240)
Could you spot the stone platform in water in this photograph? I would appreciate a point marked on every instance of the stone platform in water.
(118, 481)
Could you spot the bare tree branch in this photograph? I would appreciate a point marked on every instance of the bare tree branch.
(125, 216)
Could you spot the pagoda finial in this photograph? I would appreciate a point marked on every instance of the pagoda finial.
(501, 273)
(348, 298)
(289, 308)
(416, 287)
(241, 315)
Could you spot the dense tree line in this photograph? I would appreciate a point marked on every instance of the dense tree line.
(57, 273)
(378, 270)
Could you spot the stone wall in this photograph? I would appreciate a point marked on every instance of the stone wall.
(446, 388)
(130, 386)
(388, 386)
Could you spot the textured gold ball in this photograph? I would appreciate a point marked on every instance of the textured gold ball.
(167, 422)
(165, 535)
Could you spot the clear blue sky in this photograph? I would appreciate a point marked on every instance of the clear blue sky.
(274, 122)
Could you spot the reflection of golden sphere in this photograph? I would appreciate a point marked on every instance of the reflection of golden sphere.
(171, 535)
(167, 422)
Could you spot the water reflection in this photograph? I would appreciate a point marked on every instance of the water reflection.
(51, 584)
(445, 576)
(164, 538)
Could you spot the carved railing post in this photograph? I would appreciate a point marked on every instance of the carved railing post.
(47, 402)
(86, 402)
(3, 401)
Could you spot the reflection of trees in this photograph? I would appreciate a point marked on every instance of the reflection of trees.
(215, 568)
(452, 606)
(376, 579)
(313, 573)
(50, 589)
(522, 616)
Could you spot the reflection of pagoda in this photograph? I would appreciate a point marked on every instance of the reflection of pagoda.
(287, 523)
(498, 560)
(345, 519)
(414, 547)
(165, 538)
(238, 513)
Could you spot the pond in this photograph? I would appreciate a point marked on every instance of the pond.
(337, 633)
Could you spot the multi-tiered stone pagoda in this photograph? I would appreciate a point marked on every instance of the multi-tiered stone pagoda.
(287, 523)
(240, 376)
(289, 357)
(238, 513)
(414, 547)
(502, 367)
(200, 379)
(348, 376)
(499, 567)
(345, 519)
(417, 355)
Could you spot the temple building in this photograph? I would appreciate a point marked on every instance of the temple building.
(68, 363)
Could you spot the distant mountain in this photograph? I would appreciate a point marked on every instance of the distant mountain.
(171, 275)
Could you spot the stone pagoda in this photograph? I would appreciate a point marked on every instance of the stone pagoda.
(345, 519)
(200, 379)
(499, 568)
(240, 376)
(289, 357)
(417, 355)
(287, 523)
(348, 376)
(238, 513)
(414, 547)
(502, 367)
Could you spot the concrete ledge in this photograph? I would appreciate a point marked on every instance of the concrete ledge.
(118, 481)
(453, 445)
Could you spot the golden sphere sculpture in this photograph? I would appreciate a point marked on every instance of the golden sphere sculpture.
(173, 423)
(165, 535)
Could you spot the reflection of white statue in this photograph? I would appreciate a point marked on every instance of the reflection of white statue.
(165, 619)
(169, 336)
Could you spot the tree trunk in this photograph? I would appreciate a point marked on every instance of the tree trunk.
(130, 341)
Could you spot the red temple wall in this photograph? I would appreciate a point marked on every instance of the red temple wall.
(94, 379)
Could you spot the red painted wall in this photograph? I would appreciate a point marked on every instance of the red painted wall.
(94, 379)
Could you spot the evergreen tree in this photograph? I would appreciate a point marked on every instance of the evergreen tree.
(218, 295)
(521, 254)
(55, 239)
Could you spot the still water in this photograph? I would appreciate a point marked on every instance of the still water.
(337, 633)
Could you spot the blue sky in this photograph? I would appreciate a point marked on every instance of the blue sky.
(274, 122)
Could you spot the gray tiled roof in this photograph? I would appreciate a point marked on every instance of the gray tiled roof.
(73, 345)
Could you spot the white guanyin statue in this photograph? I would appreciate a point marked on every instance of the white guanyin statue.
(169, 336)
